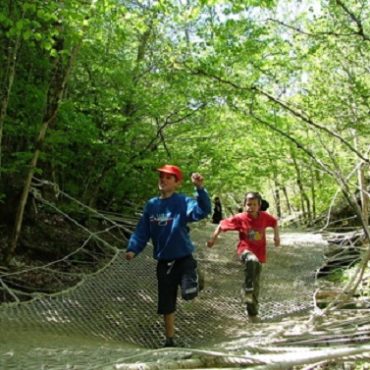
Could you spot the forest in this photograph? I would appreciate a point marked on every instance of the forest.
(255, 95)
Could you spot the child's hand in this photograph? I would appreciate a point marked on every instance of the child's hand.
(129, 255)
(277, 241)
(197, 179)
(210, 243)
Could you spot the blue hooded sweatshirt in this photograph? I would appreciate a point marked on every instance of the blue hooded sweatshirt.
(164, 221)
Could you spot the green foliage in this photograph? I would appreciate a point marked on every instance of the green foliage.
(337, 276)
(217, 87)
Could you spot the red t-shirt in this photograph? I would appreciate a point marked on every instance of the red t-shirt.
(252, 232)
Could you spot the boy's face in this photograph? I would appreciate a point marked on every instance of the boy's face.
(252, 205)
(167, 183)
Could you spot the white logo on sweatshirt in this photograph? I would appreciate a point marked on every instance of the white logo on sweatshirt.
(162, 219)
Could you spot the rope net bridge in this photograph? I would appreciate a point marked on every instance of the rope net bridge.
(118, 303)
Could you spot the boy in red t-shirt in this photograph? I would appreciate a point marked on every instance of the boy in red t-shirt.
(251, 249)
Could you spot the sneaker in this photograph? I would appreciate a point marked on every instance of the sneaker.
(169, 343)
(254, 319)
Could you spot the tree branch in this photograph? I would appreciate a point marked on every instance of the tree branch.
(355, 19)
(312, 123)
(284, 105)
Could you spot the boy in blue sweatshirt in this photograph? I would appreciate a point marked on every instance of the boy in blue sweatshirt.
(164, 221)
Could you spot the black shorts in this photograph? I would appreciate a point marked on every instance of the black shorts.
(171, 275)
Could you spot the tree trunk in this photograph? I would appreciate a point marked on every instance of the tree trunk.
(289, 207)
(313, 192)
(276, 187)
(363, 193)
(129, 106)
(8, 82)
(91, 195)
(277, 200)
(305, 201)
(364, 197)
(56, 89)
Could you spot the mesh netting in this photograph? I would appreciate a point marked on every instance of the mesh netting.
(119, 302)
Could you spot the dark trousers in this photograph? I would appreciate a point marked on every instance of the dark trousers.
(252, 273)
(171, 275)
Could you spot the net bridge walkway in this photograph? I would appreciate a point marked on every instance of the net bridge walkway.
(119, 302)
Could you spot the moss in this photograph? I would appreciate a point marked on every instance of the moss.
(337, 276)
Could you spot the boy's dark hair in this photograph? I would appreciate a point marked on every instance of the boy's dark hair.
(253, 195)
(264, 205)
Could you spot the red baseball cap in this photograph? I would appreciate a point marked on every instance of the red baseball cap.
(172, 170)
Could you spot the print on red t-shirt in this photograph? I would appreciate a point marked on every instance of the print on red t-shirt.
(252, 232)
